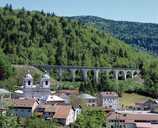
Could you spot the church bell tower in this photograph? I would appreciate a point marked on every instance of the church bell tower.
(28, 81)
(45, 81)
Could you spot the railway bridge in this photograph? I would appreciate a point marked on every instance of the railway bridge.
(115, 72)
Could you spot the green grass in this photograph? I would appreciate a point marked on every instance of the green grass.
(70, 85)
(129, 99)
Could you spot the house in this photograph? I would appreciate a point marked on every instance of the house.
(108, 100)
(4, 94)
(23, 107)
(67, 93)
(146, 125)
(146, 105)
(77, 111)
(45, 111)
(17, 94)
(53, 99)
(64, 114)
(126, 118)
(88, 99)
(39, 111)
(49, 112)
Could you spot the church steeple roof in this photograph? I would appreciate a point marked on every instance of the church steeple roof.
(46, 76)
(28, 75)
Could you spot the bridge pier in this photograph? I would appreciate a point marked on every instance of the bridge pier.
(96, 75)
(59, 73)
(135, 71)
(73, 73)
(132, 73)
(116, 73)
(84, 73)
(125, 75)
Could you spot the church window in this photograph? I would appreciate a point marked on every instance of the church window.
(46, 82)
(29, 82)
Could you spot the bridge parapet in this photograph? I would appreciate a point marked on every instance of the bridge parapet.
(96, 70)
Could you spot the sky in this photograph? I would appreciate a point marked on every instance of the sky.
(124, 10)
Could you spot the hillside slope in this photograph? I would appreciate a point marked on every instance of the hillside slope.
(38, 38)
(142, 35)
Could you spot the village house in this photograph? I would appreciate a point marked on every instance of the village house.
(4, 94)
(64, 114)
(88, 99)
(108, 100)
(66, 94)
(126, 119)
(23, 107)
(53, 99)
(45, 111)
(146, 105)
(146, 125)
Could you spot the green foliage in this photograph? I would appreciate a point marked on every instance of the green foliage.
(8, 122)
(151, 79)
(75, 101)
(5, 67)
(91, 118)
(39, 38)
(141, 35)
(35, 122)
(70, 85)
(107, 84)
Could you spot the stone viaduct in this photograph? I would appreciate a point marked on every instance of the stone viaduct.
(115, 72)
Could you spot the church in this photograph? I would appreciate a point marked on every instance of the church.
(40, 90)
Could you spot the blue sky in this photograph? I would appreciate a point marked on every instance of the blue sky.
(127, 10)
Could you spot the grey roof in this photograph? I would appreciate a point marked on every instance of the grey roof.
(86, 96)
(109, 94)
(4, 91)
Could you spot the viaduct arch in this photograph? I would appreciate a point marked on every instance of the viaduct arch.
(117, 72)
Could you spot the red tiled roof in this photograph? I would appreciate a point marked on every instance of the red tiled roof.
(154, 126)
(128, 117)
(50, 108)
(143, 125)
(62, 111)
(23, 102)
(146, 125)
(47, 107)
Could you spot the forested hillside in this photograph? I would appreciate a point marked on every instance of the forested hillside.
(142, 35)
(32, 37)
(39, 38)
